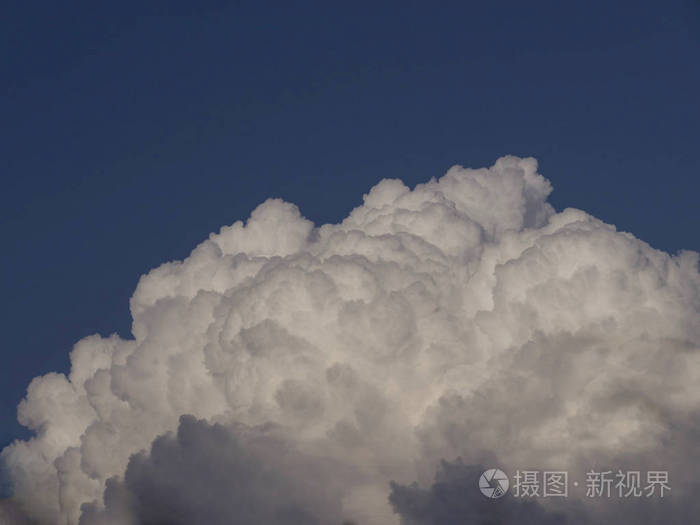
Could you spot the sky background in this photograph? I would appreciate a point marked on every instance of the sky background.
(129, 132)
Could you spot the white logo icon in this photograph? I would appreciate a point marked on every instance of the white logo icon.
(493, 483)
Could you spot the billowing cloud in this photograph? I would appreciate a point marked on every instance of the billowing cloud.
(464, 318)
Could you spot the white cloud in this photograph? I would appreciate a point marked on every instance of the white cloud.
(463, 318)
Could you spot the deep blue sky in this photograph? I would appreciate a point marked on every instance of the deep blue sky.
(130, 133)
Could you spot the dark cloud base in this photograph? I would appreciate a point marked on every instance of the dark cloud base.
(216, 474)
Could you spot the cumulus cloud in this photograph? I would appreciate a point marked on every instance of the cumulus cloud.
(464, 318)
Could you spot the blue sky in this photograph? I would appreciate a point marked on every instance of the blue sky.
(131, 132)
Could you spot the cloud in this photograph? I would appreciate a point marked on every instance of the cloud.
(462, 318)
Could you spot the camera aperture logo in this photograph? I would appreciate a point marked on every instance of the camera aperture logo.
(493, 483)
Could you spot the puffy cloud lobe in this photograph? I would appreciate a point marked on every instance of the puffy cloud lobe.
(462, 318)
